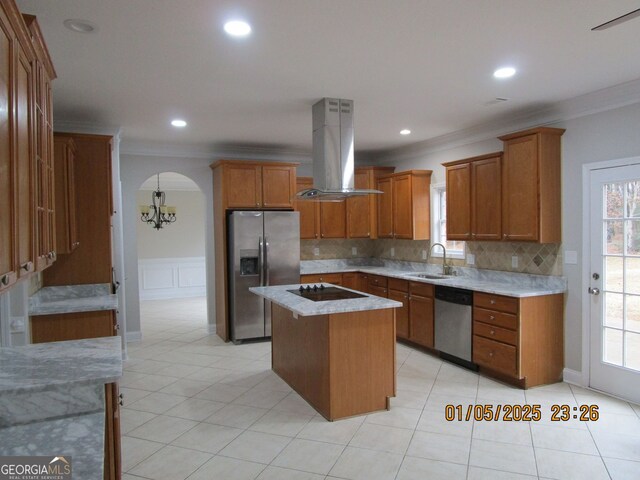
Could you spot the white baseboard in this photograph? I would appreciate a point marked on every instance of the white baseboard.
(133, 336)
(164, 278)
(574, 377)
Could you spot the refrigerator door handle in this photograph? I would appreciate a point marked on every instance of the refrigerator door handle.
(261, 260)
(266, 262)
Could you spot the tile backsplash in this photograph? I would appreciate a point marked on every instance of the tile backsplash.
(541, 259)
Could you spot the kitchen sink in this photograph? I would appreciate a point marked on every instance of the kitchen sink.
(430, 276)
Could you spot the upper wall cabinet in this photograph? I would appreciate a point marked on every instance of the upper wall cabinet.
(531, 186)
(19, 51)
(403, 207)
(258, 184)
(66, 224)
(320, 219)
(42, 145)
(474, 207)
(362, 218)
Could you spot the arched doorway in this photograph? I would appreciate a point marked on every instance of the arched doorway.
(171, 258)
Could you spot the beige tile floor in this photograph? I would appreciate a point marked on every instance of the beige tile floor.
(201, 409)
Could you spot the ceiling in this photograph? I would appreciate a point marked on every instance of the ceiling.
(425, 65)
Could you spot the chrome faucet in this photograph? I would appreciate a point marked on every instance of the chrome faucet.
(446, 269)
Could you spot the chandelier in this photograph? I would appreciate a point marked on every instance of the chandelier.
(157, 214)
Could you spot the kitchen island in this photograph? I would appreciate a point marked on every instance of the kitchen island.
(339, 355)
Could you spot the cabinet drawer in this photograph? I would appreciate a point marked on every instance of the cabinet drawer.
(496, 302)
(377, 281)
(494, 355)
(397, 284)
(422, 289)
(500, 319)
(378, 291)
(335, 278)
(495, 333)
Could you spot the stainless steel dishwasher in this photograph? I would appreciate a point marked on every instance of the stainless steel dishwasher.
(453, 325)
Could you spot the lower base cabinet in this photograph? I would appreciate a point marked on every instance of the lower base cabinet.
(112, 456)
(77, 326)
(519, 340)
(73, 326)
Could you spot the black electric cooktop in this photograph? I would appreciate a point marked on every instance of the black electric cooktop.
(320, 293)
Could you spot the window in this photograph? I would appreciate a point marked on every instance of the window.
(455, 249)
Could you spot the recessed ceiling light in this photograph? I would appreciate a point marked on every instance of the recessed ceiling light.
(80, 26)
(178, 123)
(504, 72)
(237, 28)
(406, 131)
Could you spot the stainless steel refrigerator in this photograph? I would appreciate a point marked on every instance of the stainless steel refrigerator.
(263, 249)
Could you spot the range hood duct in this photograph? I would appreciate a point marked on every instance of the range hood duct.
(333, 163)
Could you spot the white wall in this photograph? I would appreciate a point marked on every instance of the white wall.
(184, 237)
(607, 135)
(135, 169)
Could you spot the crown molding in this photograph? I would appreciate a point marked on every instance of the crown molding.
(240, 152)
(591, 103)
(88, 128)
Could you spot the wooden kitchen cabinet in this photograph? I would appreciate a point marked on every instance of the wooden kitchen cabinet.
(399, 291)
(66, 225)
(362, 218)
(320, 219)
(42, 148)
(519, 339)
(421, 313)
(474, 207)
(531, 186)
(73, 326)
(309, 211)
(112, 448)
(91, 261)
(403, 209)
(335, 278)
(242, 184)
(258, 184)
(351, 280)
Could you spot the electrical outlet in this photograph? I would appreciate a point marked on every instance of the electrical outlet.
(471, 259)
(316, 251)
(354, 251)
(424, 254)
(514, 261)
(393, 252)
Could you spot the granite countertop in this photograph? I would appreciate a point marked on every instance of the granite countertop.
(278, 294)
(72, 298)
(488, 281)
(40, 366)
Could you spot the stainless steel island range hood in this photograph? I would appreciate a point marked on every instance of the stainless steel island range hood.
(333, 164)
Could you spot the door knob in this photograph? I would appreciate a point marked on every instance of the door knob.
(594, 291)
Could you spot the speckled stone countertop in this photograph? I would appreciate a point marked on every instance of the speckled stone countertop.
(72, 298)
(487, 281)
(52, 400)
(278, 294)
(38, 367)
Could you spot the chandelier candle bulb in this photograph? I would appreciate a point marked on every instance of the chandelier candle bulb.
(144, 209)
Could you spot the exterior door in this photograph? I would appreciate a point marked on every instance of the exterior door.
(615, 281)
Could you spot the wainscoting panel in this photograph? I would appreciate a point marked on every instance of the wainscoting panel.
(161, 278)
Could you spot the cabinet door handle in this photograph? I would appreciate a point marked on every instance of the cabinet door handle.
(491, 354)
(5, 280)
(117, 327)
(491, 317)
(493, 302)
(121, 399)
(504, 235)
(493, 332)
(27, 266)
